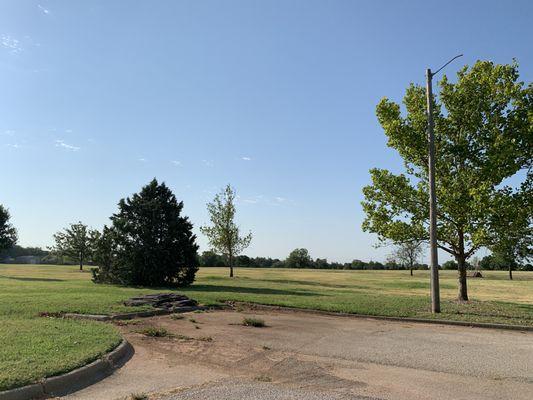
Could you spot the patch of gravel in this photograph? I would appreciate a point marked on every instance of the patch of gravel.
(242, 390)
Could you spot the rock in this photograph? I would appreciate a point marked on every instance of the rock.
(476, 274)
(169, 301)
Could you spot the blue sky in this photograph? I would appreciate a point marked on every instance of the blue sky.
(275, 97)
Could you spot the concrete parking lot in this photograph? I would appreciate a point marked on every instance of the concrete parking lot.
(303, 356)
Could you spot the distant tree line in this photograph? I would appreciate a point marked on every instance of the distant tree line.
(300, 258)
(491, 262)
(20, 251)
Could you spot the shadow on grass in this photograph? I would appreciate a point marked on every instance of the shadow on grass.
(525, 307)
(415, 285)
(17, 278)
(313, 283)
(248, 290)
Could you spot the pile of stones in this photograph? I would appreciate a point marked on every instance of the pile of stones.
(166, 301)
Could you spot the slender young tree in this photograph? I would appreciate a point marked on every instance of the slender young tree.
(75, 242)
(483, 135)
(408, 253)
(223, 234)
(8, 234)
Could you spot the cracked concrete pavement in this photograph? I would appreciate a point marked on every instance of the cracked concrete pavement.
(305, 356)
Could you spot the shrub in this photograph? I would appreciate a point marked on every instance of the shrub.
(255, 322)
(153, 331)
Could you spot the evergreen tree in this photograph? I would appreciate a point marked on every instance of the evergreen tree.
(8, 234)
(150, 243)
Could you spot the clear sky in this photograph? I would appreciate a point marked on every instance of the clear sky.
(275, 97)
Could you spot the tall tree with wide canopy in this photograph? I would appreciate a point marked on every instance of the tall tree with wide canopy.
(299, 258)
(483, 135)
(8, 234)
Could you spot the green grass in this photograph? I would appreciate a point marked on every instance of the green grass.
(154, 331)
(34, 347)
(255, 322)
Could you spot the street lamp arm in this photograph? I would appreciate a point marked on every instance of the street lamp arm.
(437, 71)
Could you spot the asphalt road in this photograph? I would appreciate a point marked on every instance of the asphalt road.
(303, 356)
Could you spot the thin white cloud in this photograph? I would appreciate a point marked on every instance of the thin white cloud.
(13, 145)
(208, 163)
(266, 200)
(142, 159)
(8, 132)
(246, 158)
(44, 10)
(62, 144)
(176, 163)
(250, 201)
(68, 130)
(10, 43)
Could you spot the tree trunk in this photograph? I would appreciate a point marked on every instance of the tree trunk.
(461, 270)
(231, 266)
(81, 262)
(510, 271)
(411, 271)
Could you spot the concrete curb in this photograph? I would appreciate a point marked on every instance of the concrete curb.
(132, 315)
(74, 380)
(34, 391)
(384, 318)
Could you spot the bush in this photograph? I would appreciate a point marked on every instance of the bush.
(255, 322)
(153, 331)
(149, 244)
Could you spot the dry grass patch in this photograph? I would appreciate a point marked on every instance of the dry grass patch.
(155, 331)
(255, 322)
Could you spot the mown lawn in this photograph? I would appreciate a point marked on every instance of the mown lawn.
(34, 347)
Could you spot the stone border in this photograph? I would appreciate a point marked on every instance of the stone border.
(132, 315)
(74, 380)
(486, 325)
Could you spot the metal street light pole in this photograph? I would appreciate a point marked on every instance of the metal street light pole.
(434, 258)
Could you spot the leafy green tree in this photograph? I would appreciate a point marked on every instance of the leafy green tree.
(408, 253)
(512, 225)
(450, 264)
(223, 233)
(150, 243)
(321, 263)
(75, 242)
(105, 257)
(8, 234)
(483, 126)
(299, 258)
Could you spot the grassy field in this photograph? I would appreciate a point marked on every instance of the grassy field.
(34, 347)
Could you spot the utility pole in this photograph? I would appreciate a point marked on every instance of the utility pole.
(434, 256)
